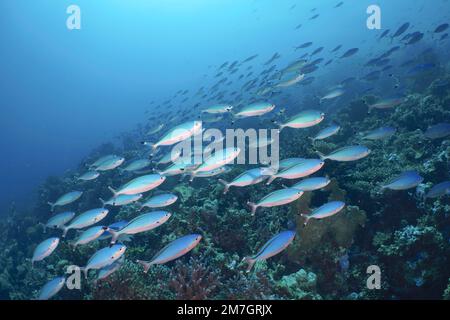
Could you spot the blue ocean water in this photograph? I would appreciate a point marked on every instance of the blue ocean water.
(66, 91)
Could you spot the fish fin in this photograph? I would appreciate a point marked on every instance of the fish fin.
(113, 191)
(52, 205)
(251, 262)
(43, 226)
(153, 146)
(72, 244)
(271, 179)
(320, 154)
(145, 264)
(306, 219)
(115, 235)
(192, 176)
(226, 185)
(64, 229)
(253, 207)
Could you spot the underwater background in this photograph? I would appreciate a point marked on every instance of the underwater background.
(137, 69)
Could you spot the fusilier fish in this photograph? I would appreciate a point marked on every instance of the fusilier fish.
(212, 173)
(439, 190)
(312, 184)
(247, 178)
(59, 220)
(140, 185)
(115, 226)
(173, 250)
(44, 249)
(160, 200)
(86, 219)
(219, 159)
(104, 257)
(327, 210)
(386, 104)
(295, 66)
(304, 119)
(217, 109)
(271, 248)
(136, 165)
(380, 133)
(142, 223)
(121, 200)
(276, 198)
(260, 143)
(105, 272)
(438, 131)
(303, 169)
(169, 157)
(350, 153)
(156, 129)
(177, 168)
(406, 180)
(110, 164)
(256, 109)
(179, 133)
(66, 199)
(101, 160)
(51, 288)
(90, 175)
(326, 133)
(335, 93)
(289, 162)
(290, 82)
(89, 235)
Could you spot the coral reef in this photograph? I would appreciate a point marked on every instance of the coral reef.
(404, 234)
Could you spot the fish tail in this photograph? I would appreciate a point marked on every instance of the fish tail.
(73, 245)
(113, 191)
(191, 176)
(271, 179)
(43, 226)
(153, 146)
(145, 264)
(320, 154)
(253, 207)
(64, 229)
(103, 202)
(312, 139)
(226, 185)
(52, 206)
(306, 219)
(251, 262)
(115, 235)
